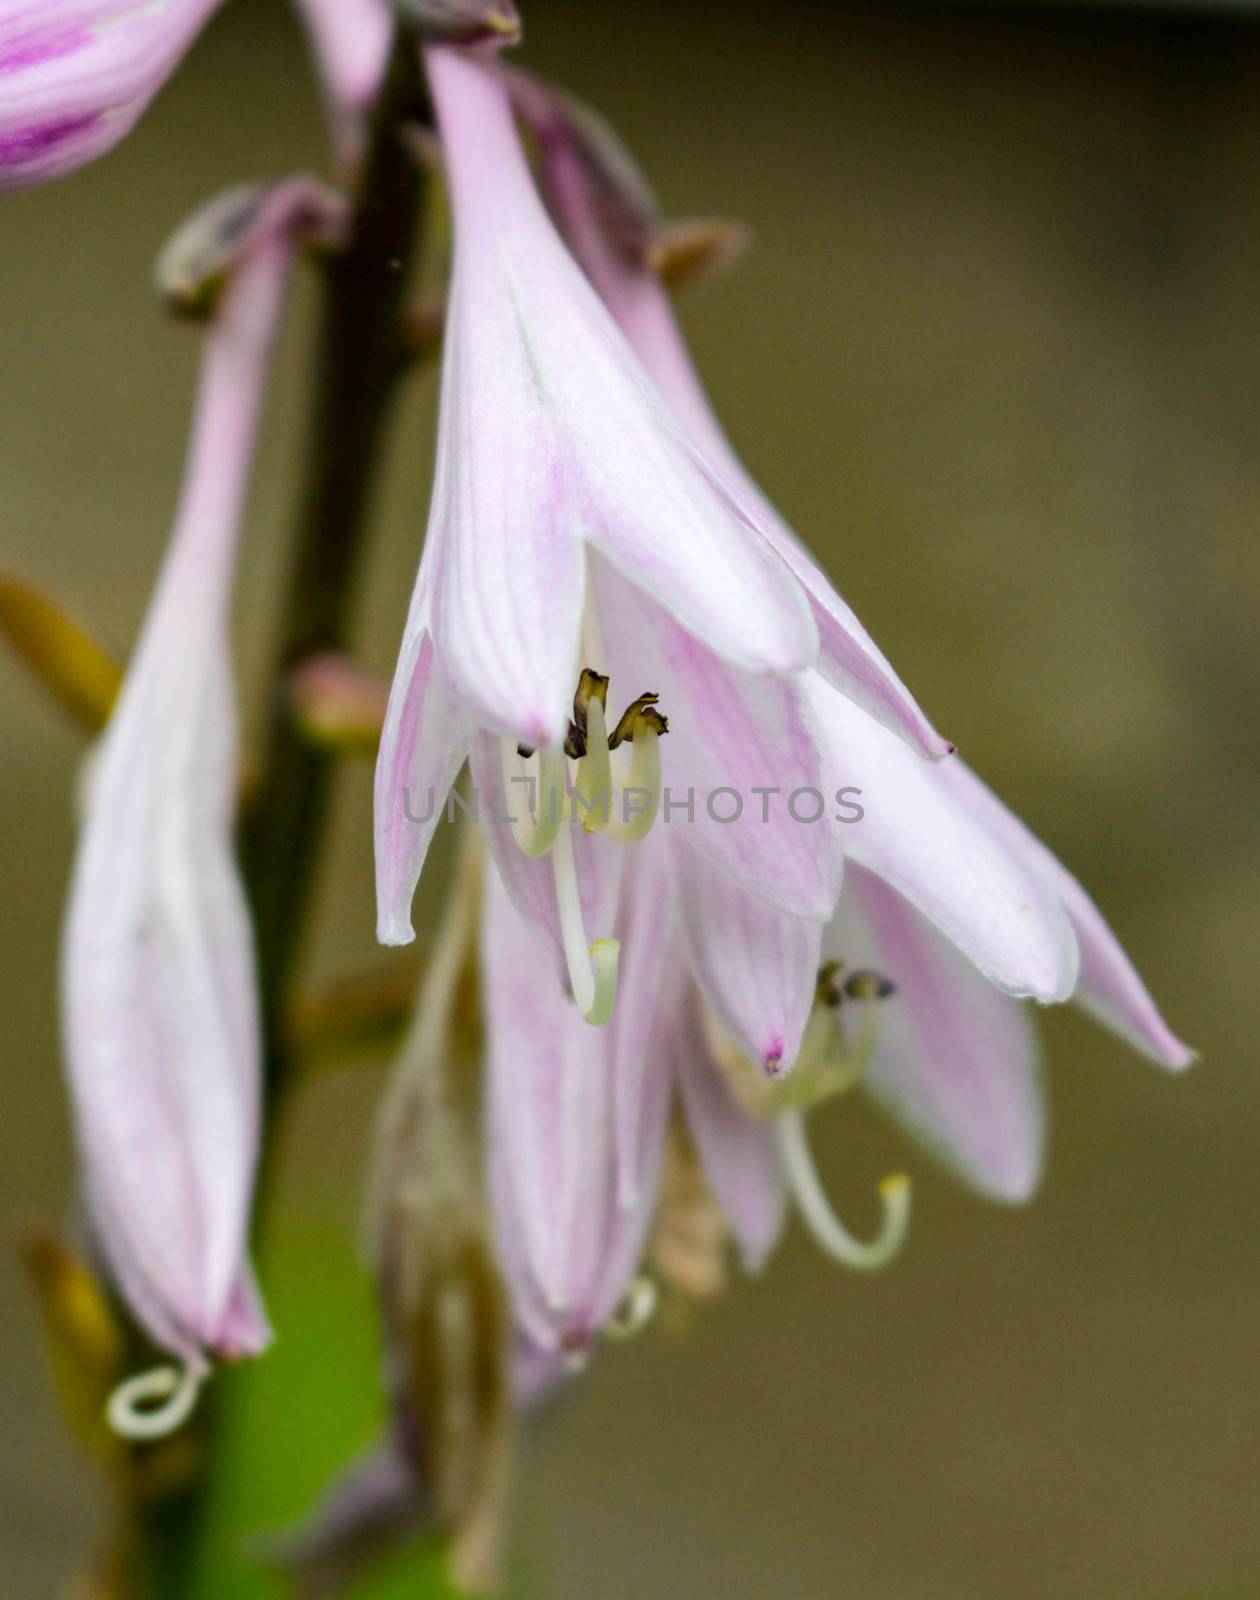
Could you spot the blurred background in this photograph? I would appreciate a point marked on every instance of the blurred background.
(996, 354)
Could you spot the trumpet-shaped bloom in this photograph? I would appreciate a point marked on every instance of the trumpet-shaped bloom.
(952, 916)
(161, 1024)
(577, 537)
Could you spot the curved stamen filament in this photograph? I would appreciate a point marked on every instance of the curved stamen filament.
(593, 968)
(644, 783)
(811, 1201)
(536, 809)
(153, 1404)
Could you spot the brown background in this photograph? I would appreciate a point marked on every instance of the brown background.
(996, 354)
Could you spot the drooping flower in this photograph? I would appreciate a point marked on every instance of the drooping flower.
(161, 1024)
(583, 557)
(951, 917)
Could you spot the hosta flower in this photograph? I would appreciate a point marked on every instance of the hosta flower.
(951, 917)
(950, 912)
(590, 583)
(161, 1025)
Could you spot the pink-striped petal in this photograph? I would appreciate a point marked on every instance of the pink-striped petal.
(76, 75)
(423, 745)
(740, 746)
(848, 656)
(1109, 987)
(922, 839)
(568, 1245)
(955, 1060)
(739, 1155)
(757, 968)
(552, 437)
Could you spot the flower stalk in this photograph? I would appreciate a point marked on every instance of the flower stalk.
(362, 354)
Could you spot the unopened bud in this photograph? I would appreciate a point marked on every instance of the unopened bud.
(203, 251)
(682, 253)
(462, 21)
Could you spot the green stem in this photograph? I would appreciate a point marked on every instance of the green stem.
(360, 359)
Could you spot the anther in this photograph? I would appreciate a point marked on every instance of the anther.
(636, 1310)
(865, 985)
(153, 1404)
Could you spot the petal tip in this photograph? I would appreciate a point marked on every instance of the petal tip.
(394, 930)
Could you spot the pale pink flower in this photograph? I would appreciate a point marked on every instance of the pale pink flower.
(574, 525)
(951, 911)
(161, 1015)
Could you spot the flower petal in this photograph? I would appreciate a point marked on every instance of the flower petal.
(567, 1245)
(505, 525)
(739, 747)
(758, 968)
(75, 76)
(739, 1155)
(551, 434)
(647, 990)
(955, 1060)
(920, 837)
(1109, 988)
(423, 745)
(350, 39)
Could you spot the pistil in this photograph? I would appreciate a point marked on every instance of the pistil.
(818, 1214)
(153, 1404)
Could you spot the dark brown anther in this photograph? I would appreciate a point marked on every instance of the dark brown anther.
(641, 711)
(525, 751)
(827, 989)
(866, 985)
(592, 685)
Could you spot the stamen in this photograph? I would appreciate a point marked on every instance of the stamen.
(594, 772)
(637, 1308)
(642, 726)
(153, 1404)
(593, 969)
(536, 810)
(816, 1211)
